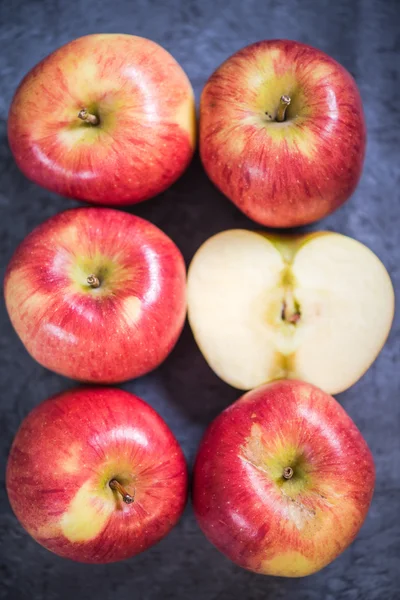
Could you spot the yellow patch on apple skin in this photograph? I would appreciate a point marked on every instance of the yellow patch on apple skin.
(81, 86)
(257, 107)
(71, 463)
(111, 274)
(16, 289)
(68, 236)
(71, 137)
(267, 96)
(131, 309)
(30, 302)
(271, 460)
(185, 117)
(46, 531)
(320, 71)
(87, 515)
(289, 564)
(233, 137)
(78, 82)
(264, 68)
(273, 55)
(305, 143)
(22, 301)
(304, 503)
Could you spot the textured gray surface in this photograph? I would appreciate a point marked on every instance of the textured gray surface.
(363, 36)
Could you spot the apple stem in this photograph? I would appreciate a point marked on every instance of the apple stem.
(283, 104)
(117, 487)
(93, 281)
(85, 115)
(288, 473)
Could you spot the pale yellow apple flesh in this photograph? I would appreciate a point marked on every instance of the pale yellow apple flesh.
(316, 307)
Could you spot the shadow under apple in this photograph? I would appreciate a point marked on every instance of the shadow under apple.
(191, 210)
(190, 383)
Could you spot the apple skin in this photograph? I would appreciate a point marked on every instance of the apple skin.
(62, 459)
(258, 519)
(146, 135)
(118, 331)
(290, 173)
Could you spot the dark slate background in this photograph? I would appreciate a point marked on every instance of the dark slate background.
(363, 36)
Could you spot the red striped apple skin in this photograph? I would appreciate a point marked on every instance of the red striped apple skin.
(146, 132)
(120, 330)
(294, 172)
(64, 455)
(256, 517)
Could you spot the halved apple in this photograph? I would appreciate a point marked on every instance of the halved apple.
(316, 307)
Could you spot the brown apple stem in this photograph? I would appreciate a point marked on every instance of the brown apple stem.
(93, 281)
(85, 115)
(283, 104)
(117, 487)
(287, 473)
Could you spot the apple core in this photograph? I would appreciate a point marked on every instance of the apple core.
(290, 309)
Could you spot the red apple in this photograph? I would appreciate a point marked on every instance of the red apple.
(96, 475)
(97, 294)
(106, 118)
(283, 480)
(282, 132)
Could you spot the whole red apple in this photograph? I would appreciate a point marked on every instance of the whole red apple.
(282, 132)
(97, 294)
(283, 480)
(96, 475)
(107, 118)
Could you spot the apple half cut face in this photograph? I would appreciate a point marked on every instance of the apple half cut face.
(316, 307)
